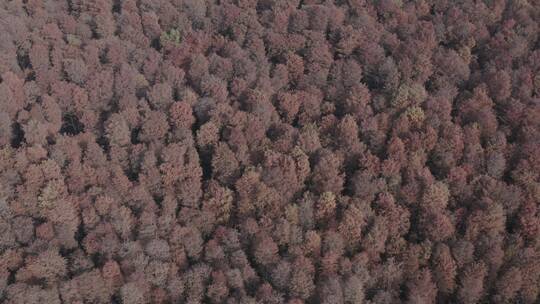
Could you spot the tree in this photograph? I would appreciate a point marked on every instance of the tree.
(508, 285)
(161, 95)
(471, 286)
(421, 288)
(302, 285)
(445, 269)
(76, 70)
(181, 115)
(265, 250)
(326, 175)
(118, 131)
(48, 265)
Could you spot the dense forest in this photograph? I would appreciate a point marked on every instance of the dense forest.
(269, 151)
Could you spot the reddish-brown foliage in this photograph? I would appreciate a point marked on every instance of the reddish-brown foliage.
(258, 151)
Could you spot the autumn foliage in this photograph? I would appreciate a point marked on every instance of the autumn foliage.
(269, 151)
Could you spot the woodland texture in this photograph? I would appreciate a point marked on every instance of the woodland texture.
(269, 151)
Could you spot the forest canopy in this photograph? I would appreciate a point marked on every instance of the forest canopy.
(269, 151)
